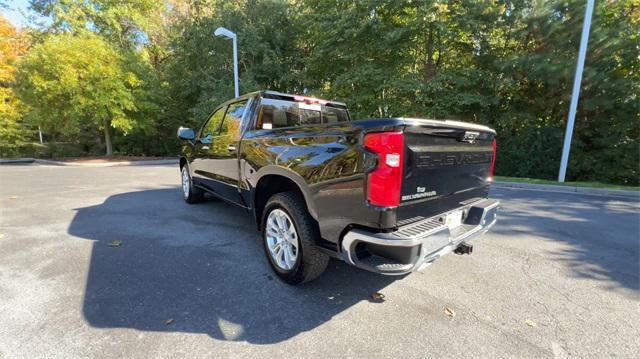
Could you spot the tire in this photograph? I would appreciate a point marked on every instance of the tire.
(190, 194)
(309, 262)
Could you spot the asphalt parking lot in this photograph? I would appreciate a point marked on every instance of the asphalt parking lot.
(557, 277)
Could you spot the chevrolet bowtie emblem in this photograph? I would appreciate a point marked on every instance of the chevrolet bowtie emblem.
(470, 136)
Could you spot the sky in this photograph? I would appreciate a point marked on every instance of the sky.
(13, 12)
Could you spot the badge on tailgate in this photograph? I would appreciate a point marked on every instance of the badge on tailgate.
(421, 193)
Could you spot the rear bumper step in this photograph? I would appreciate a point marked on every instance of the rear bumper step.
(411, 246)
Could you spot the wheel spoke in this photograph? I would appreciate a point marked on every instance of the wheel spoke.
(292, 241)
(271, 222)
(278, 256)
(280, 221)
(287, 258)
(293, 252)
(271, 231)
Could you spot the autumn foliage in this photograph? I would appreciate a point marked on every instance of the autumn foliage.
(131, 72)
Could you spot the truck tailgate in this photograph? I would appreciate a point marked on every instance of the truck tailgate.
(447, 164)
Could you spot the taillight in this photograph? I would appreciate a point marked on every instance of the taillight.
(306, 99)
(385, 181)
(493, 160)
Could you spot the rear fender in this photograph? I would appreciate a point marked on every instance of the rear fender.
(289, 174)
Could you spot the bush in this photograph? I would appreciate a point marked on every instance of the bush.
(529, 152)
(138, 143)
(35, 150)
(46, 150)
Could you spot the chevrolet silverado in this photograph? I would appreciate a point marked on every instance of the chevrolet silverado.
(389, 195)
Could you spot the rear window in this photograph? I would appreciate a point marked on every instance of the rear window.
(280, 113)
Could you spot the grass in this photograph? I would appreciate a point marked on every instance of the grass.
(571, 184)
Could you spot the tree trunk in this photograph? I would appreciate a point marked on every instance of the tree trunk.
(107, 137)
(429, 67)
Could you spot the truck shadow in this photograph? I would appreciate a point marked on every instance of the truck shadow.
(602, 233)
(200, 269)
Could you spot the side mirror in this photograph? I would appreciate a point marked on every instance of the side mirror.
(186, 134)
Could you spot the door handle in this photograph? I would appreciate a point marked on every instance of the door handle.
(231, 148)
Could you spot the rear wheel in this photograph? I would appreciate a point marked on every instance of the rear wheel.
(189, 193)
(288, 234)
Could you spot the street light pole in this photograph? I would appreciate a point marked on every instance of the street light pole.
(235, 66)
(576, 91)
(222, 32)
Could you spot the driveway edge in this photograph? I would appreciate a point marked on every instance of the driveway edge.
(76, 164)
(498, 184)
(569, 189)
(11, 161)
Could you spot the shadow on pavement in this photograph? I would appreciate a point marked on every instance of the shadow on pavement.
(201, 269)
(603, 233)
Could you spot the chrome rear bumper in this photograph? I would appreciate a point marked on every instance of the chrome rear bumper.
(409, 247)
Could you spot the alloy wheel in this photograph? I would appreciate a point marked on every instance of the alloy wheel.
(282, 239)
(186, 183)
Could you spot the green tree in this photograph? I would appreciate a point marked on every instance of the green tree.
(505, 63)
(73, 82)
(124, 24)
(198, 68)
(508, 64)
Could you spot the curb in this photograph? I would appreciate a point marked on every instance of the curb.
(109, 164)
(569, 189)
(16, 161)
(71, 164)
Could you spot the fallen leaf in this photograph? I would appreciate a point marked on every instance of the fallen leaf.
(530, 323)
(377, 296)
(449, 312)
(168, 321)
(115, 243)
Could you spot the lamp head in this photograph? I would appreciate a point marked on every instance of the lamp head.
(222, 32)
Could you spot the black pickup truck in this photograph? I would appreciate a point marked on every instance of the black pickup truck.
(388, 195)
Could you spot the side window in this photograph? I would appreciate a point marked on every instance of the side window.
(212, 127)
(310, 114)
(233, 118)
(279, 113)
(334, 115)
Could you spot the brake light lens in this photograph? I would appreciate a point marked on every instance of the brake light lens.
(385, 181)
(493, 161)
(306, 99)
